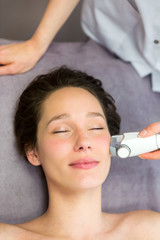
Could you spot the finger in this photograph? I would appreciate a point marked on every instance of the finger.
(6, 46)
(6, 58)
(151, 155)
(150, 130)
(2, 47)
(6, 55)
(7, 70)
(13, 68)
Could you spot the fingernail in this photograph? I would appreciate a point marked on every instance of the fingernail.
(142, 133)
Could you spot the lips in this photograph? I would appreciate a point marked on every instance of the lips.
(84, 163)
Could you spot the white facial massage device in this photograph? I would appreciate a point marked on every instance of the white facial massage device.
(130, 144)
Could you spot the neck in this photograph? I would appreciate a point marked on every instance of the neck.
(79, 213)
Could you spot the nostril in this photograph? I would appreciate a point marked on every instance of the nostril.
(84, 147)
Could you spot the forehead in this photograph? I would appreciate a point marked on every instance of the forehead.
(67, 94)
(71, 99)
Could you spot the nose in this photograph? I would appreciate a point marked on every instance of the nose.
(82, 143)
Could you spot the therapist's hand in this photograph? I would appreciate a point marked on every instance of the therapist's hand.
(18, 57)
(21, 57)
(152, 129)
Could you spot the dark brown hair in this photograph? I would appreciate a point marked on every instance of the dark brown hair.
(29, 109)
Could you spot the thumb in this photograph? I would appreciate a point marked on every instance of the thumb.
(150, 130)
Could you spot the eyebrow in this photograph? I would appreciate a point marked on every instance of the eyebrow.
(66, 116)
(58, 117)
(95, 114)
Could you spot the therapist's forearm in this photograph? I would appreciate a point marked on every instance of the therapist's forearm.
(54, 17)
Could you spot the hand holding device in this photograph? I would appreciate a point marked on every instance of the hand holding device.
(130, 144)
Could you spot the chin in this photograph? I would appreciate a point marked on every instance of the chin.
(89, 182)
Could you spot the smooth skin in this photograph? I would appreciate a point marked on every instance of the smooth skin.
(67, 133)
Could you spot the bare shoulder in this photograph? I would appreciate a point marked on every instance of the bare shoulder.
(146, 217)
(12, 232)
(8, 231)
(19, 232)
(145, 223)
(4, 228)
(139, 225)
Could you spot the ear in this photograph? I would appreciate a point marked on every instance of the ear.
(32, 155)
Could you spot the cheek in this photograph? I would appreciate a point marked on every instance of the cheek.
(52, 148)
(103, 142)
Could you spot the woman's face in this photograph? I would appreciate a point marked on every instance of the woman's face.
(73, 140)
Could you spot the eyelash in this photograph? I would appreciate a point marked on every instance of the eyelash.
(97, 128)
(68, 131)
(60, 131)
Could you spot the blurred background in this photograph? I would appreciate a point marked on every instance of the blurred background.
(20, 18)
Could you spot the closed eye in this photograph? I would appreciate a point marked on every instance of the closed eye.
(96, 128)
(61, 131)
(64, 131)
